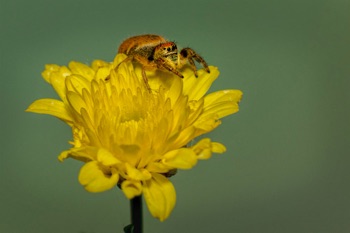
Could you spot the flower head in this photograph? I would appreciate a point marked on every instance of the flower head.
(129, 136)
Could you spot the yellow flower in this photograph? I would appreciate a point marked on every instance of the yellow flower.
(129, 136)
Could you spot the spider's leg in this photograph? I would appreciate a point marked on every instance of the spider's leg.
(190, 54)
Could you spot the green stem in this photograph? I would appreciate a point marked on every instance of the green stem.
(136, 214)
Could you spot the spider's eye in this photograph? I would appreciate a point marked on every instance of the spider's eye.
(174, 47)
(169, 49)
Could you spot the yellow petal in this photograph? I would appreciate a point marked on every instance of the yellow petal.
(97, 64)
(131, 188)
(175, 90)
(223, 96)
(160, 196)
(84, 154)
(203, 148)
(158, 167)
(103, 73)
(58, 81)
(184, 137)
(206, 123)
(217, 147)
(82, 69)
(119, 58)
(196, 88)
(137, 174)
(129, 153)
(124, 69)
(183, 158)
(76, 101)
(220, 110)
(196, 108)
(52, 107)
(97, 178)
(222, 103)
(49, 69)
(107, 158)
(77, 83)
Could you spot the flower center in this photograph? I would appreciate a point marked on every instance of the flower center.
(131, 114)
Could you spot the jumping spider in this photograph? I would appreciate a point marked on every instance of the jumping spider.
(155, 52)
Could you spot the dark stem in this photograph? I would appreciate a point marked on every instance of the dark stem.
(136, 214)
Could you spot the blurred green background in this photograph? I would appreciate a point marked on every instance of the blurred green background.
(287, 167)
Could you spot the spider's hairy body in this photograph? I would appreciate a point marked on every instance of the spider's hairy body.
(155, 52)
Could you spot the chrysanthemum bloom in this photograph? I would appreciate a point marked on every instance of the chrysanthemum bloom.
(129, 136)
